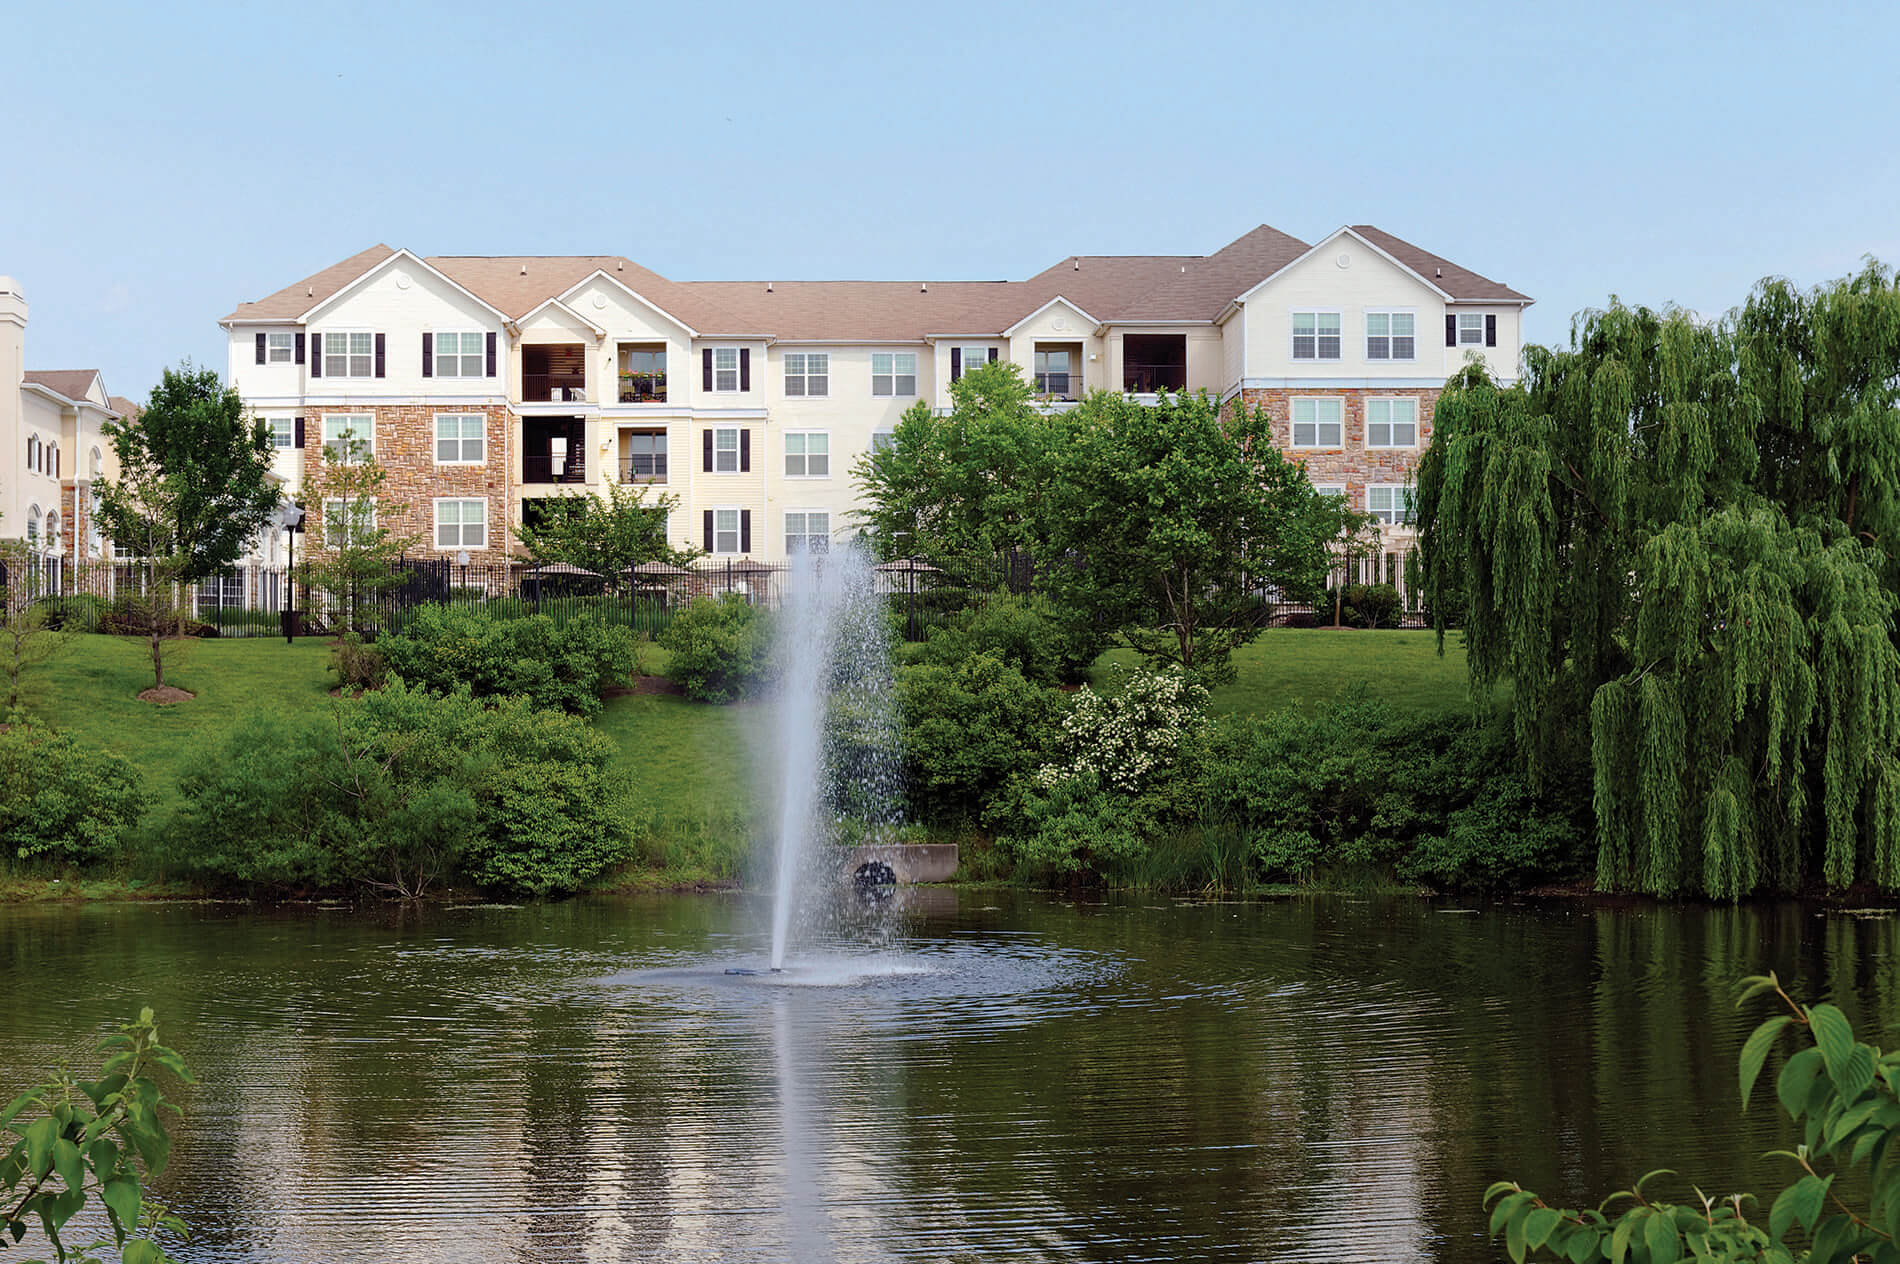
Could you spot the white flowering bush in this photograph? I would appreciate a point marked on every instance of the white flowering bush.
(1120, 776)
(1128, 739)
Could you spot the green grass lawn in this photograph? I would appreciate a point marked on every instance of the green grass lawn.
(1304, 667)
(688, 767)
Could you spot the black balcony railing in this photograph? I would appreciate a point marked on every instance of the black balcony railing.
(1145, 379)
(551, 388)
(643, 469)
(643, 388)
(541, 469)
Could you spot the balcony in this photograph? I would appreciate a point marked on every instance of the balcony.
(554, 373)
(642, 367)
(553, 450)
(1154, 362)
(1058, 371)
(643, 456)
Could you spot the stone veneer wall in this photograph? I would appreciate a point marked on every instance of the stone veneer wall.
(405, 448)
(1354, 464)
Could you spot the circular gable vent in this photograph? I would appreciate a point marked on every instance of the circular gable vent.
(1344, 261)
(402, 280)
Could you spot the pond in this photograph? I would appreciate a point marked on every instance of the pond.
(1016, 1076)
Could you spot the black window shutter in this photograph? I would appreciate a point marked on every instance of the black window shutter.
(705, 372)
(491, 353)
(745, 368)
(956, 363)
(992, 355)
(428, 355)
(1451, 331)
(708, 435)
(1490, 331)
(316, 355)
(296, 434)
(300, 348)
(709, 531)
(745, 451)
(745, 530)
(379, 355)
(260, 348)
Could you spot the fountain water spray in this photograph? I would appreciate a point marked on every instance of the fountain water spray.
(839, 762)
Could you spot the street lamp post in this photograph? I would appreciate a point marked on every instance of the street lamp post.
(290, 517)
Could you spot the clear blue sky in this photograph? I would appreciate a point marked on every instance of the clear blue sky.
(166, 162)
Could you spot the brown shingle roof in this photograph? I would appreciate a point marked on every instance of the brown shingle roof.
(294, 300)
(1124, 288)
(124, 407)
(74, 384)
(1460, 283)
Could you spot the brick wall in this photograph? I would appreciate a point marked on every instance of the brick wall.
(405, 448)
(1353, 464)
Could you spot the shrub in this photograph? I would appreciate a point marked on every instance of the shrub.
(721, 648)
(560, 667)
(1027, 632)
(401, 790)
(61, 802)
(358, 666)
(76, 612)
(968, 729)
(1376, 605)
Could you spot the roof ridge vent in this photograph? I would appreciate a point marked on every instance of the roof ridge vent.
(768, 287)
(524, 269)
(1078, 263)
(1439, 272)
(923, 287)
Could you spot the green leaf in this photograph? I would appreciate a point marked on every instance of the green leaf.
(17, 1105)
(1800, 1203)
(1833, 1037)
(40, 1135)
(66, 1163)
(1506, 1206)
(1755, 1052)
(1797, 1077)
(1659, 1235)
(1620, 1238)
(121, 1194)
(141, 1251)
(1753, 986)
(1538, 1224)
(1514, 1237)
(1582, 1246)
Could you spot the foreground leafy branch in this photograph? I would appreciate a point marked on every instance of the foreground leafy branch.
(1847, 1095)
(76, 1140)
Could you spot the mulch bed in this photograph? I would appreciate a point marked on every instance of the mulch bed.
(165, 695)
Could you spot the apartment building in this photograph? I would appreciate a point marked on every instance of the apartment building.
(52, 449)
(487, 384)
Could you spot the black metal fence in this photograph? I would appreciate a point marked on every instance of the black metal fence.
(254, 601)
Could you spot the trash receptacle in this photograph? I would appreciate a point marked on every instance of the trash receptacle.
(293, 623)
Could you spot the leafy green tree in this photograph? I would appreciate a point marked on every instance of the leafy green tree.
(1169, 520)
(194, 487)
(28, 635)
(1843, 1091)
(968, 486)
(606, 535)
(353, 549)
(1676, 541)
(77, 1140)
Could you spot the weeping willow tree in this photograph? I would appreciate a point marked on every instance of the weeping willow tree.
(1677, 542)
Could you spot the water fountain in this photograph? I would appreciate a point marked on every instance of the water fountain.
(835, 753)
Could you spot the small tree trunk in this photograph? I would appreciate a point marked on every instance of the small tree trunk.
(158, 658)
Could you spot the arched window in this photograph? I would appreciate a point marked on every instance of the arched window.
(98, 464)
(52, 459)
(33, 453)
(33, 525)
(52, 532)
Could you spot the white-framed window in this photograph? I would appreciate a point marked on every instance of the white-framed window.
(725, 368)
(645, 455)
(726, 452)
(1331, 489)
(807, 531)
(33, 453)
(1316, 335)
(1470, 329)
(1391, 423)
(1318, 423)
(98, 463)
(459, 353)
(1390, 503)
(342, 524)
(1391, 335)
(350, 354)
(221, 592)
(52, 532)
(893, 373)
(33, 526)
(278, 348)
(1054, 372)
(883, 440)
(973, 357)
(808, 373)
(283, 431)
(51, 459)
(340, 428)
(460, 438)
(461, 524)
(725, 531)
(807, 454)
